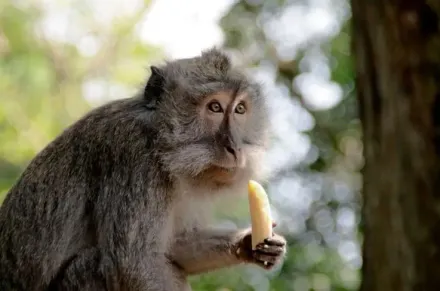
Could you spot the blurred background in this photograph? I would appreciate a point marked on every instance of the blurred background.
(60, 58)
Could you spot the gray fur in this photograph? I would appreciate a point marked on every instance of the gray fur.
(107, 204)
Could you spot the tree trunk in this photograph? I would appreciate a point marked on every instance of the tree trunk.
(397, 53)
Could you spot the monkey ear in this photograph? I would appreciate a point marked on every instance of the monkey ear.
(154, 88)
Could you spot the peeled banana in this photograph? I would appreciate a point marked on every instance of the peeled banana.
(260, 213)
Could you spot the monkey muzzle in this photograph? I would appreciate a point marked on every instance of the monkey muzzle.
(231, 159)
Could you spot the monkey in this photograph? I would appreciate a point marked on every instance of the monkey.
(120, 199)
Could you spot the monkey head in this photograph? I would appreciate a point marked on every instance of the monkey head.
(212, 119)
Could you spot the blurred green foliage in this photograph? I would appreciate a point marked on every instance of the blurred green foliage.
(42, 81)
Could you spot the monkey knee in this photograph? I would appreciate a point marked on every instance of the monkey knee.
(71, 285)
(83, 272)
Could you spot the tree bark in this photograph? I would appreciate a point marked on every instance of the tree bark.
(396, 45)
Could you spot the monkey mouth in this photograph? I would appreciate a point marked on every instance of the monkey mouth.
(230, 165)
(221, 174)
(219, 168)
(225, 168)
(228, 169)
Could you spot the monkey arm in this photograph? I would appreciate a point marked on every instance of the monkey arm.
(200, 251)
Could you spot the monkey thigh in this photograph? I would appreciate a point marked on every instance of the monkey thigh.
(83, 272)
(180, 279)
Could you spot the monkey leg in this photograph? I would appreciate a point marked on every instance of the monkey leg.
(82, 272)
(92, 271)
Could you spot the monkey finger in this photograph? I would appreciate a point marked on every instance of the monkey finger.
(274, 224)
(266, 265)
(265, 258)
(271, 250)
(276, 241)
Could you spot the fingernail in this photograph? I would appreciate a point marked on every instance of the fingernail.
(238, 251)
(265, 263)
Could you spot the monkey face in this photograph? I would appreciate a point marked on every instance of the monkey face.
(213, 120)
(220, 138)
(224, 117)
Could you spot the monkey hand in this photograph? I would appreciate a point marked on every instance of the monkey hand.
(267, 253)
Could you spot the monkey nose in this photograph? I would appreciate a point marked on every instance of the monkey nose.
(235, 155)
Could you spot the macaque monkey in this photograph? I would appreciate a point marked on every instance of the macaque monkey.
(116, 201)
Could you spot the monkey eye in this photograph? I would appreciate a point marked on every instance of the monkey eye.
(215, 107)
(240, 109)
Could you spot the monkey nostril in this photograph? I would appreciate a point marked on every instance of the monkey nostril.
(230, 150)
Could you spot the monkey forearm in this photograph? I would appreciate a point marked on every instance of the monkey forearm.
(201, 251)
